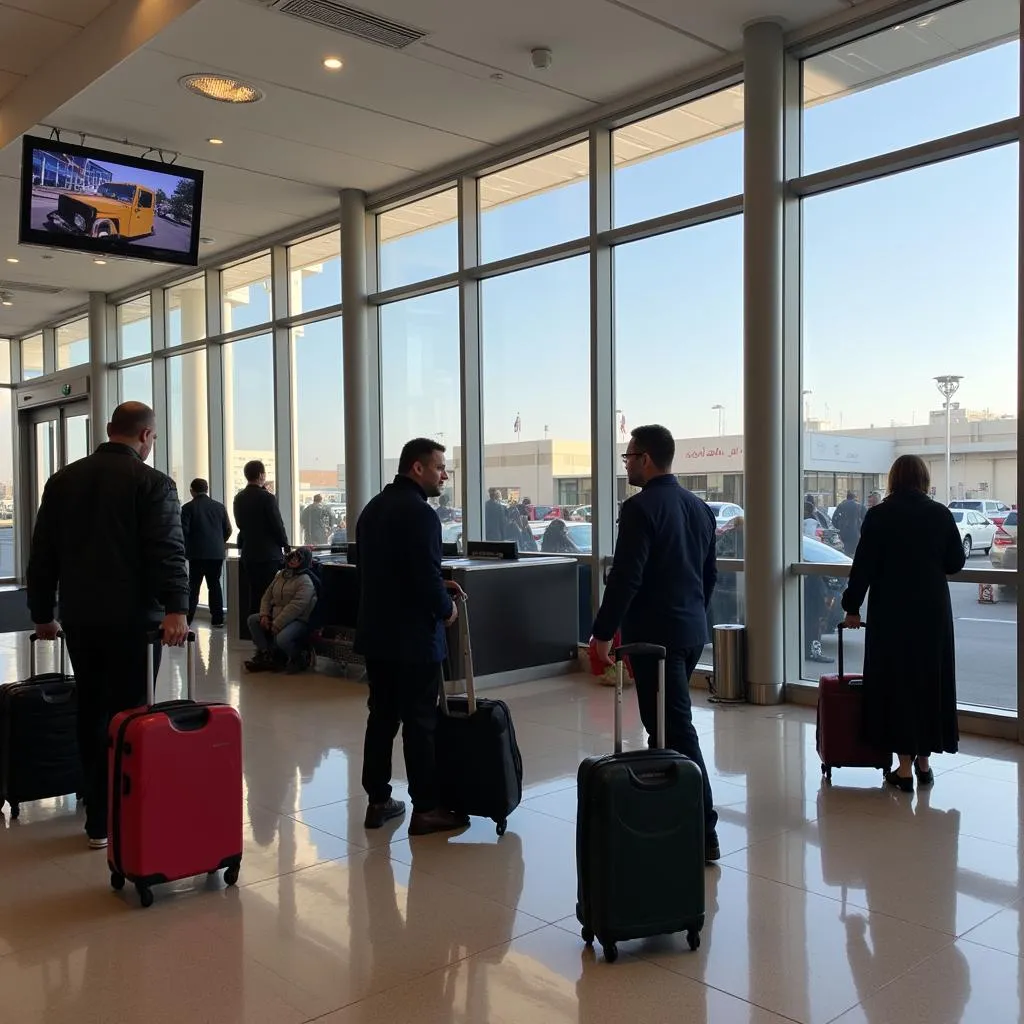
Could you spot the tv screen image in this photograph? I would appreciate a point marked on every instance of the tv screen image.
(76, 197)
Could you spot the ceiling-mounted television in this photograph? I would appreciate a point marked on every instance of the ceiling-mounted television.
(109, 204)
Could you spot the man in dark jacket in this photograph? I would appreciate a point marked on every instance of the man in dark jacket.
(848, 518)
(404, 606)
(108, 537)
(207, 529)
(658, 592)
(495, 516)
(261, 534)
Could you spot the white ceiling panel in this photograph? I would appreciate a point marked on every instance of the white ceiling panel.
(72, 12)
(26, 40)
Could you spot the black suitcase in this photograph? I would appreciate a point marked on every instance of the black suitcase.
(479, 767)
(39, 735)
(639, 836)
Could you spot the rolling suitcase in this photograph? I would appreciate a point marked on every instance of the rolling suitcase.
(175, 805)
(479, 767)
(39, 734)
(839, 734)
(639, 836)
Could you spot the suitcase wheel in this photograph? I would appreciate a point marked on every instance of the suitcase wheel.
(611, 951)
(588, 936)
(116, 881)
(693, 939)
(231, 875)
(826, 770)
(145, 895)
(501, 826)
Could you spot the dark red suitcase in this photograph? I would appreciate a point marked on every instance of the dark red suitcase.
(840, 730)
(175, 790)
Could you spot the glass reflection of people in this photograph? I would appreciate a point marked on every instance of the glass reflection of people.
(556, 539)
(909, 544)
(494, 516)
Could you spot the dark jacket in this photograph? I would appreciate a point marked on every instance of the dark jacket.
(206, 527)
(664, 570)
(403, 603)
(108, 534)
(495, 520)
(847, 519)
(261, 533)
(908, 545)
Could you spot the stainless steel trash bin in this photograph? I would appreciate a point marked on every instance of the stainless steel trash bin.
(729, 681)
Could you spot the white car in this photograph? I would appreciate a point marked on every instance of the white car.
(725, 511)
(975, 530)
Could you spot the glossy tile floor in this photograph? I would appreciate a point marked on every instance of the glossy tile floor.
(848, 903)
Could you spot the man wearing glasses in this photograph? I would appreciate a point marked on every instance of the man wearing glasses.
(658, 591)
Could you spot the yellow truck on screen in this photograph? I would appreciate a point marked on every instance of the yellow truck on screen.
(114, 210)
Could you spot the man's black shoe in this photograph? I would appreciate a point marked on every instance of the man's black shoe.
(712, 851)
(377, 815)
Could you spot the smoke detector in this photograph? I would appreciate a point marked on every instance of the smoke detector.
(541, 57)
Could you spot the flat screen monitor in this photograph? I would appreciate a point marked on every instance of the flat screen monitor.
(109, 204)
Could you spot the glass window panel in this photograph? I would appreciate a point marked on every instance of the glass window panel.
(420, 392)
(248, 409)
(188, 443)
(944, 72)
(186, 312)
(535, 204)
(134, 328)
(246, 293)
(536, 387)
(680, 158)
(319, 425)
(73, 344)
(934, 293)
(7, 511)
(679, 302)
(135, 384)
(31, 357)
(314, 273)
(420, 240)
(5, 361)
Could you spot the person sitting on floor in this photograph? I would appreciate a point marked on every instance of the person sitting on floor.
(280, 628)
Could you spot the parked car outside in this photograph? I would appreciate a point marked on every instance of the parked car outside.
(724, 511)
(976, 532)
(581, 514)
(1005, 538)
(995, 511)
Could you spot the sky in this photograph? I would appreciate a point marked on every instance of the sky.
(904, 278)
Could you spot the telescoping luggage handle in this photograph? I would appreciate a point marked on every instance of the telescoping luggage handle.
(62, 652)
(842, 626)
(638, 651)
(152, 639)
(467, 659)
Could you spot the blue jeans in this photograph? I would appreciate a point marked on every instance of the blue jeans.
(288, 640)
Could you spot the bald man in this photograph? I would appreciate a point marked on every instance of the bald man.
(108, 537)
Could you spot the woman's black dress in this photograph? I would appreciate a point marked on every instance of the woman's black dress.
(908, 545)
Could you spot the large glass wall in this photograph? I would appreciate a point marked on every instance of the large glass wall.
(185, 306)
(31, 357)
(134, 328)
(314, 273)
(7, 497)
(188, 441)
(246, 294)
(419, 241)
(73, 344)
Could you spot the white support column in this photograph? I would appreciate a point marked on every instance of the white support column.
(220, 483)
(602, 362)
(195, 432)
(763, 192)
(286, 479)
(99, 405)
(1020, 421)
(372, 263)
(158, 334)
(359, 376)
(471, 454)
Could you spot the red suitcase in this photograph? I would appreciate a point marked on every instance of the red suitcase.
(175, 790)
(840, 729)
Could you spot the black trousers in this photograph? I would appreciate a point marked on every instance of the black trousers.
(259, 575)
(680, 735)
(110, 673)
(200, 569)
(406, 695)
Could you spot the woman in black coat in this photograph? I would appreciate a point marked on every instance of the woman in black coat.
(908, 545)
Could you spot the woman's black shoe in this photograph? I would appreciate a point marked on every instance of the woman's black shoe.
(906, 784)
(924, 778)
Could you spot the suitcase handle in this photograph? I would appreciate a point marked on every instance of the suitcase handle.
(467, 658)
(640, 650)
(189, 717)
(152, 639)
(839, 631)
(62, 652)
(667, 778)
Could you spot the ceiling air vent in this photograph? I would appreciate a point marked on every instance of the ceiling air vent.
(351, 21)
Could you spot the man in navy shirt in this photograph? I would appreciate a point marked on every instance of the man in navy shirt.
(404, 606)
(658, 591)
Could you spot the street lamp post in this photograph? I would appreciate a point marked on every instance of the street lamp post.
(948, 384)
(720, 409)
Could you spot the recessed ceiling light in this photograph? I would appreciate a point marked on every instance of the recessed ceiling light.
(13, 259)
(215, 142)
(333, 64)
(100, 263)
(222, 88)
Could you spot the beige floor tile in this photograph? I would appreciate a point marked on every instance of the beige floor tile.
(962, 984)
(1004, 931)
(345, 819)
(544, 978)
(790, 951)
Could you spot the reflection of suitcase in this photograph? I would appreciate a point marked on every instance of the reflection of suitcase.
(639, 836)
(39, 735)
(840, 730)
(479, 767)
(175, 790)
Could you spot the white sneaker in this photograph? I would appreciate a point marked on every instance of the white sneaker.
(98, 844)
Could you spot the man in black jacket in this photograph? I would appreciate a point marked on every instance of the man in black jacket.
(658, 591)
(108, 536)
(404, 605)
(261, 534)
(207, 529)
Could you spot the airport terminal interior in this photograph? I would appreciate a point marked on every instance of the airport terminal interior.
(305, 231)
